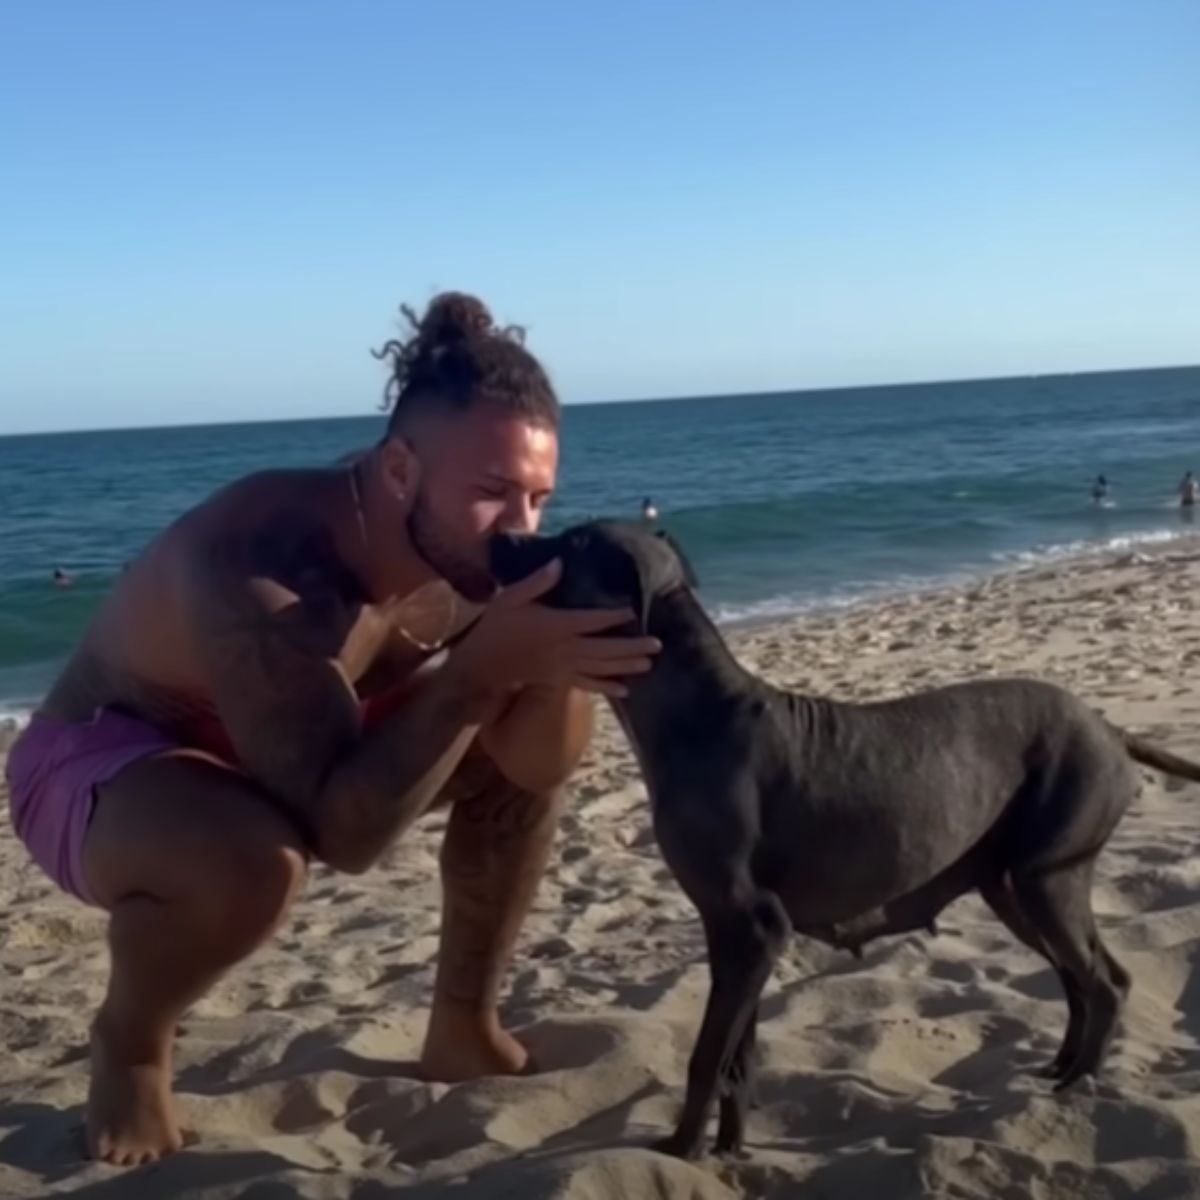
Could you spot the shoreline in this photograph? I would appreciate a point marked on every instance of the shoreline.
(14, 715)
(1093, 597)
(1140, 550)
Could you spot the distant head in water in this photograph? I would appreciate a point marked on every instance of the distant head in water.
(1187, 490)
(605, 564)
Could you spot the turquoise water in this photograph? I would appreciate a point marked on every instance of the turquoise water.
(783, 501)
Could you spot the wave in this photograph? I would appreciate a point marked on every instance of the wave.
(15, 714)
(844, 597)
(1062, 554)
(1086, 547)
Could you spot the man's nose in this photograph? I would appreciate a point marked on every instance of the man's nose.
(520, 516)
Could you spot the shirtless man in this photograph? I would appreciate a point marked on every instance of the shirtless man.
(263, 688)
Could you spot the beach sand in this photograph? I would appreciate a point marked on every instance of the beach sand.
(904, 1075)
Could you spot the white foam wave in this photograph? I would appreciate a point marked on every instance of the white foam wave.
(1056, 551)
(14, 715)
(791, 605)
(847, 596)
(762, 610)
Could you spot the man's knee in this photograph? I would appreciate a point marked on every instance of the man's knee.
(490, 809)
(262, 878)
(186, 833)
(245, 892)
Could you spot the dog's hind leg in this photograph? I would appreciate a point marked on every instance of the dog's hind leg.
(999, 897)
(743, 944)
(1058, 904)
(737, 1090)
(1118, 976)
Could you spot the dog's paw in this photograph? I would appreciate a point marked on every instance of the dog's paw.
(1077, 1079)
(730, 1150)
(1052, 1070)
(677, 1147)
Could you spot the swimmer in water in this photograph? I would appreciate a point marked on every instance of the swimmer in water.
(61, 578)
(1187, 491)
(1100, 490)
(649, 512)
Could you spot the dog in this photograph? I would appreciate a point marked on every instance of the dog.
(781, 813)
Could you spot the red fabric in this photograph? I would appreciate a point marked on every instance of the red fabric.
(209, 734)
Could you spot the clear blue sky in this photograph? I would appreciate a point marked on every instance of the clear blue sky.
(209, 211)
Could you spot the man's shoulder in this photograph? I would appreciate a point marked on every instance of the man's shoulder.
(268, 540)
(272, 523)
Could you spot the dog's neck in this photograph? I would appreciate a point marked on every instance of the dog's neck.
(694, 666)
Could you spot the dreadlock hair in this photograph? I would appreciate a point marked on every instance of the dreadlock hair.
(456, 356)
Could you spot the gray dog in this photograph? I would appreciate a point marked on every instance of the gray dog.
(845, 822)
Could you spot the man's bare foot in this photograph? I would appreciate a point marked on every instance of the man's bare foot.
(464, 1045)
(130, 1112)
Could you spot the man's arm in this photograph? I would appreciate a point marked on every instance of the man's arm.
(295, 723)
(273, 658)
(538, 740)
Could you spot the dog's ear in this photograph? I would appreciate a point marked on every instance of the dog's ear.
(645, 586)
(689, 576)
(642, 597)
(649, 581)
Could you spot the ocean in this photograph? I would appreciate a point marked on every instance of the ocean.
(783, 502)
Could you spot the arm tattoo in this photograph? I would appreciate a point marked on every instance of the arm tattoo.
(272, 628)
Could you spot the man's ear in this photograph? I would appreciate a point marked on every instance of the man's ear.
(689, 576)
(401, 467)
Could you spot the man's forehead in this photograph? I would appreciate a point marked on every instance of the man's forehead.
(534, 473)
(506, 446)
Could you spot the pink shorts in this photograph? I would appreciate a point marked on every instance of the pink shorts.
(53, 771)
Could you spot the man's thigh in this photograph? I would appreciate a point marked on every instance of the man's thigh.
(180, 823)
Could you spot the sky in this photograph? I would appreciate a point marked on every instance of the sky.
(210, 211)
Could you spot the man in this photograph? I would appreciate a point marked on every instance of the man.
(263, 686)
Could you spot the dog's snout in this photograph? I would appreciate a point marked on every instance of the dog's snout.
(515, 555)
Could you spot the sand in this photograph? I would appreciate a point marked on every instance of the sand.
(904, 1075)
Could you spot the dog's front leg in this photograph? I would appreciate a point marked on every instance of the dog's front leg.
(737, 1090)
(743, 944)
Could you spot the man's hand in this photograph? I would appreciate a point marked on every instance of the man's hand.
(518, 643)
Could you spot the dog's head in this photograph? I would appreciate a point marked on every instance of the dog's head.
(605, 564)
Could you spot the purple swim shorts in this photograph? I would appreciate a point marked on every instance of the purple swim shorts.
(53, 771)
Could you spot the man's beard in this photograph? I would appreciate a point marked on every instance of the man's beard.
(470, 580)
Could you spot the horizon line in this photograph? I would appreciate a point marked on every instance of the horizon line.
(672, 399)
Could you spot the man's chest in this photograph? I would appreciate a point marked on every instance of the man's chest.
(376, 656)
(389, 644)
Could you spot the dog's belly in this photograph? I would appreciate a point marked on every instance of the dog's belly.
(877, 861)
(915, 910)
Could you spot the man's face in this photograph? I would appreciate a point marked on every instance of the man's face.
(481, 472)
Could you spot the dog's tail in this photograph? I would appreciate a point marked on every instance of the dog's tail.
(1149, 755)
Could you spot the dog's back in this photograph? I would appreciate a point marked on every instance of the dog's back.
(860, 804)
